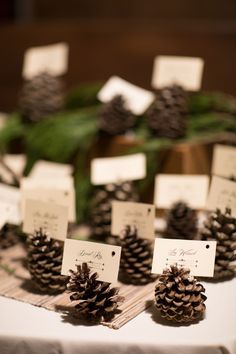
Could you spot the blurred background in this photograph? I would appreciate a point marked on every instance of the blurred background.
(118, 37)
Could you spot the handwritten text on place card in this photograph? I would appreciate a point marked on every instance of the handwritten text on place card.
(198, 256)
(134, 214)
(101, 258)
(224, 161)
(192, 189)
(49, 217)
(52, 59)
(118, 169)
(136, 98)
(184, 71)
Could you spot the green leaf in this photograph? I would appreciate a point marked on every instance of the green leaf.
(84, 95)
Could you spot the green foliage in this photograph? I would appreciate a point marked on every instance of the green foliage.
(13, 129)
(84, 95)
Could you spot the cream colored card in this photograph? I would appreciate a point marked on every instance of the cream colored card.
(50, 217)
(134, 214)
(16, 162)
(184, 71)
(50, 169)
(57, 190)
(191, 189)
(136, 98)
(10, 204)
(198, 256)
(224, 161)
(222, 195)
(52, 59)
(115, 169)
(101, 258)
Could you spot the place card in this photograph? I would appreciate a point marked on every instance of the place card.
(16, 162)
(9, 205)
(134, 214)
(224, 161)
(222, 195)
(184, 71)
(51, 218)
(50, 169)
(198, 256)
(191, 189)
(118, 169)
(58, 190)
(52, 59)
(101, 258)
(136, 98)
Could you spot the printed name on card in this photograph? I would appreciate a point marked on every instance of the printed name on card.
(101, 258)
(224, 161)
(136, 98)
(134, 214)
(198, 256)
(191, 189)
(9, 205)
(118, 169)
(50, 169)
(222, 195)
(52, 59)
(49, 217)
(183, 71)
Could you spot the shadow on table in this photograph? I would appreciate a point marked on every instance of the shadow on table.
(156, 317)
(68, 315)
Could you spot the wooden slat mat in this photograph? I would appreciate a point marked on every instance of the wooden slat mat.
(15, 283)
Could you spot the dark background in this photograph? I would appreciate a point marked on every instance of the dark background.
(122, 37)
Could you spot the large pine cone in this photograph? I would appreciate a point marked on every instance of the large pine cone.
(221, 227)
(101, 206)
(167, 115)
(181, 222)
(44, 263)
(115, 118)
(96, 300)
(40, 97)
(136, 258)
(178, 296)
(9, 236)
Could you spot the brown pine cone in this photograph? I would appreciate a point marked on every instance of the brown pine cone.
(8, 236)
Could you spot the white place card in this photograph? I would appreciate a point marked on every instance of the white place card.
(101, 258)
(50, 169)
(222, 195)
(184, 71)
(136, 98)
(134, 214)
(52, 59)
(191, 189)
(198, 256)
(10, 204)
(224, 161)
(58, 190)
(51, 218)
(116, 169)
(16, 162)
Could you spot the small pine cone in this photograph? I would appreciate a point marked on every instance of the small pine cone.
(8, 236)
(178, 296)
(115, 118)
(44, 263)
(167, 115)
(101, 206)
(136, 258)
(96, 300)
(221, 227)
(40, 97)
(182, 222)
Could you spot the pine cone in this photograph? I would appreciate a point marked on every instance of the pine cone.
(44, 263)
(8, 236)
(167, 115)
(178, 296)
(96, 300)
(101, 206)
(41, 97)
(181, 222)
(221, 227)
(115, 118)
(136, 258)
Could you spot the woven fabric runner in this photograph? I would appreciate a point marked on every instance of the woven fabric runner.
(15, 283)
